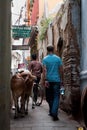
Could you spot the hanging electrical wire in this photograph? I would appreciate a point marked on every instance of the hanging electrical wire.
(20, 16)
(15, 14)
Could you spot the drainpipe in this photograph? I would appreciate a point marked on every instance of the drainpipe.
(83, 44)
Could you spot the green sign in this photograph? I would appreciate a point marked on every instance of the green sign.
(21, 31)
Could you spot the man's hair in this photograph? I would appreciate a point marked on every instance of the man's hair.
(34, 56)
(50, 48)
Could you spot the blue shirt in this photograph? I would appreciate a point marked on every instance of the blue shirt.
(52, 63)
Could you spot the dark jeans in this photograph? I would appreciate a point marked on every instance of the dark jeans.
(52, 97)
(35, 89)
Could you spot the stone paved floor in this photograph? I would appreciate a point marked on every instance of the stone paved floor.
(38, 119)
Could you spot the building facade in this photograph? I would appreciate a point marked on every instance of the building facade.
(35, 13)
(50, 6)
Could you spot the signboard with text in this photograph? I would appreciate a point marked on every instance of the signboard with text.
(21, 31)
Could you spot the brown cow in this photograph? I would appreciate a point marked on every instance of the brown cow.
(29, 78)
(21, 86)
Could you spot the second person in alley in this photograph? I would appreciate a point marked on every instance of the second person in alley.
(52, 78)
(36, 69)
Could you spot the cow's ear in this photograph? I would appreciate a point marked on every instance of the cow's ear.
(27, 79)
(34, 77)
(30, 77)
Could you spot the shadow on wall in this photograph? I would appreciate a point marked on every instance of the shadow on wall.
(60, 46)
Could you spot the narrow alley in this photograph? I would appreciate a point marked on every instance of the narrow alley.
(38, 119)
(29, 27)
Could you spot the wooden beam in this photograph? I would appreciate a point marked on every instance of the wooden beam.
(20, 47)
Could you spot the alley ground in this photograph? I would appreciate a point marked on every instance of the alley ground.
(38, 119)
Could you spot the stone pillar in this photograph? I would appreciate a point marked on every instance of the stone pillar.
(84, 44)
(5, 13)
(71, 57)
(50, 37)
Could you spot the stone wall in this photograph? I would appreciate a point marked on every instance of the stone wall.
(67, 26)
(5, 56)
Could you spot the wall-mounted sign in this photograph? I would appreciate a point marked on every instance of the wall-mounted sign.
(21, 31)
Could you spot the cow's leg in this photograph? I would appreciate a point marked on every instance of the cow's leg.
(22, 106)
(35, 92)
(27, 101)
(40, 95)
(16, 106)
(12, 102)
(32, 95)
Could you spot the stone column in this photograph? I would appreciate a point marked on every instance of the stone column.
(84, 44)
(50, 37)
(5, 13)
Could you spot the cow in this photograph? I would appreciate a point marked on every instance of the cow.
(29, 81)
(21, 86)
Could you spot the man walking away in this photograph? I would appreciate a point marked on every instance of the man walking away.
(53, 77)
(36, 69)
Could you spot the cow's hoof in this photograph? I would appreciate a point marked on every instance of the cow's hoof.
(19, 111)
(22, 115)
(38, 103)
(15, 117)
(26, 112)
(13, 107)
(33, 107)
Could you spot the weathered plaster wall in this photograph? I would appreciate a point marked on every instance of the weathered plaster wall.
(5, 50)
(69, 28)
(67, 25)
